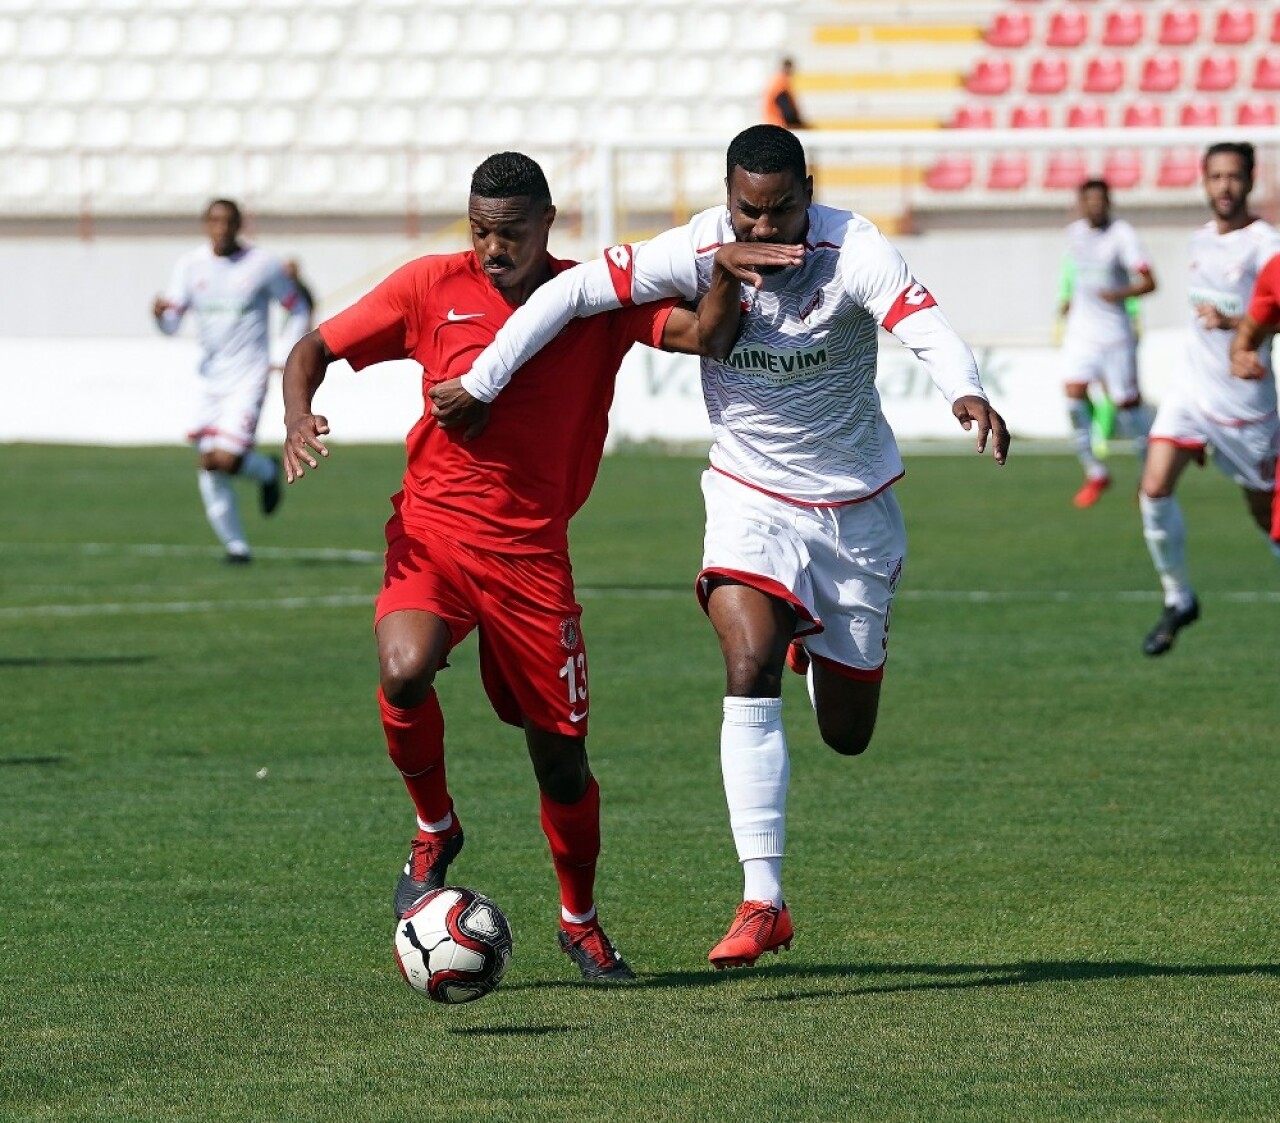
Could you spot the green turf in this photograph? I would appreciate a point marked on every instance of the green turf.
(1048, 892)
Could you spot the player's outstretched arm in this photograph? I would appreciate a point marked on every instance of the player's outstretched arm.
(304, 371)
(972, 410)
(1245, 362)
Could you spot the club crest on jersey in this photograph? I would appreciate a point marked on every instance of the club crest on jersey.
(815, 302)
(570, 637)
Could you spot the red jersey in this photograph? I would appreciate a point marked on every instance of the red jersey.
(513, 488)
(1264, 306)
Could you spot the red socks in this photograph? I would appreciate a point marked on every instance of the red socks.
(415, 743)
(573, 830)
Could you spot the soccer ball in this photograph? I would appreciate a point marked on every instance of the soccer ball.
(453, 945)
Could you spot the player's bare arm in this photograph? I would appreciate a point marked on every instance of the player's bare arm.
(1143, 283)
(972, 410)
(304, 371)
(1214, 319)
(1245, 362)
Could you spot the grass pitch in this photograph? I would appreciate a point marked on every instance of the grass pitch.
(1048, 892)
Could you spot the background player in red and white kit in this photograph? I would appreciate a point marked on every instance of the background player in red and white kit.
(230, 287)
(1208, 409)
(804, 538)
(1109, 265)
(479, 534)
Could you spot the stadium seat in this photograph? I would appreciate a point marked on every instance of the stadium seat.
(329, 127)
(374, 34)
(441, 126)
(153, 36)
(131, 177)
(1087, 115)
(1068, 27)
(298, 79)
(74, 82)
(1104, 74)
(652, 31)
(1179, 26)
(1008, 173)
(367, 180)
(543, 32)
(261, 35)
(990, 77)
(182, 81)
(950, 173)
(1122, 168)
(1235, 25)
(1256, 111)
(495, 29)
(356, 80)
(1124, 27)
(1199, 114)
(1266, 71)
(1275, 28)
(237, 82)
(1160, 74)
(599, 32)
(1217, 72)
(972, 117)
(1065, 170)
(1049, 75)
(48, 127)
(213, 127)
(44, 37)
(207, 36)
(27, 176)
(1009, 29)
(103, 129)
(10, 128)
(320, 33)
(1179, 168)
(22, 83)
(159, 128)
(430, 33)
(1143, 115)
(99, 37)
(1029, 117)
(269, 126)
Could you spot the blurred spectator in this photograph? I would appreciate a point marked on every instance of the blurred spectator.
(780, 101)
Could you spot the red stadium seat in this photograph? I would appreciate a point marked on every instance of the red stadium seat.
(1143, 115)
(1124, 27)
(973, 117)
(1235, 25)
(950, 173)
(1029, 117)
(1197, 114)
(1087, 115)
(1009, 29)
(1179, 26)
(1179, 168)
(1217, 72)
(1068, 27)
(1160, 74)
(1275, 28)
(1104, 74)
(1256, 111)
(1008, 173)
(1065, 170)
(1048, 76)
(1122, 168)
(1266, 73)
(990, 77)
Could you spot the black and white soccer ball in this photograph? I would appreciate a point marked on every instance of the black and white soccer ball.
(453, 945)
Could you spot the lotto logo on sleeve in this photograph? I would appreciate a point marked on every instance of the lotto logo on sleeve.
(621, 262)
(913, 298)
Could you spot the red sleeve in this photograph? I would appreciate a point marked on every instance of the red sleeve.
(1264, 308)
(382, 324)
(645, 323)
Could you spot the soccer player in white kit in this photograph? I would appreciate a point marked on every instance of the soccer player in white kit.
(1208, 409)
(804, 537)
(1100, 344)
(230, 286)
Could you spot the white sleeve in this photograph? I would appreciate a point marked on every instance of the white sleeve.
(877, 277)
(298, 320)
(623, 276)
(1133, 254)
(176, 299)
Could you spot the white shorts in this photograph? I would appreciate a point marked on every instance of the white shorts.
(227, 416)
(837, 566)
(1114, 367)
(1245, 451)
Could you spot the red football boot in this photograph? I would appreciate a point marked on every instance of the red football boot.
(757, 927)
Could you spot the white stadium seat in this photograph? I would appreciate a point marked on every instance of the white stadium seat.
(544, 32)
(8, 37)
(354, 80)
(10, 128)
(74, 83)
(375, 34)
(366, 179)
(388, 126)
(131, 178)
(190, 176)
(213, 127)
(578, 77)
(22, 83)
(44, 37)
(598, 32)
(184, 82)
(431, 32)
(464, 78)
(103, 129)
(127, 82)
(492, 31)
(159, 128)
(330, 127)
(235, 81)
(307, 176)
(100, 37)
(501, 126)
(48, 128)
(269, 126)
(652, 32)
(26, 177)
(442, 125)
(315, 34)
(208, 36)
(525, 78)
(261, 34)
(408, 79)
(153, 36)
(292, 80)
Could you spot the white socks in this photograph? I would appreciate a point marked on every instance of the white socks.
(1135, 423)
(1081, 416)
(756, 770)
(221, 510)
(1166, 535)
(254, 466)
(438, 826)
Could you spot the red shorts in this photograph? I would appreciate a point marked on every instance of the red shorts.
(533, 659)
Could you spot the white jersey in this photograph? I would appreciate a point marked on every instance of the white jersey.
(1223, 270)
(231, 297)
(1101, 259)
(794, 408)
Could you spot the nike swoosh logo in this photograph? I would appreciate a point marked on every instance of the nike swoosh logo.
(454, 317)
(576, 717)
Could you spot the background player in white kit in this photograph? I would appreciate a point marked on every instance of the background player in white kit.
(1100, 345)
(1208, 409)
(804, 537)
(230, 286)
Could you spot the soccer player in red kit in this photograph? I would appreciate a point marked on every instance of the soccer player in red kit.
(478, 537)
(1248, 361)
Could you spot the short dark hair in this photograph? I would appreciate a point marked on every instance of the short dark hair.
(508, 175)
(230, 204)
(1240, 148)
(1096, 185)
(766, 149)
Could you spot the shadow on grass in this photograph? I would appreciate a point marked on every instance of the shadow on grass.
(30, 760)
(78, 661)
(510, 1031)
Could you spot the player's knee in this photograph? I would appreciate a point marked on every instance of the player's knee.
(219, 460)
(406, 675)
(750, 676)
(560, 766)
(847, 739)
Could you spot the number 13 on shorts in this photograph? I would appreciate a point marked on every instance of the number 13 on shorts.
(574, 673)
